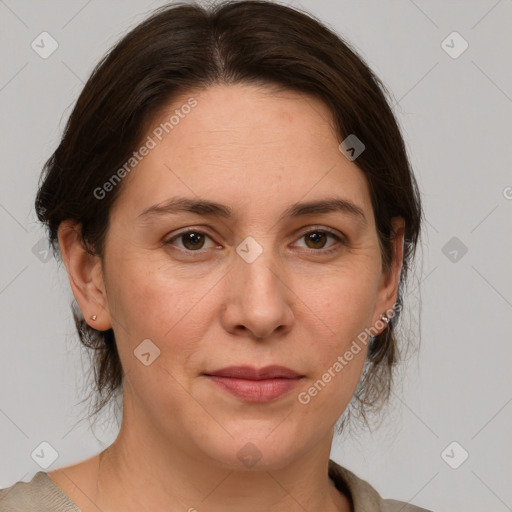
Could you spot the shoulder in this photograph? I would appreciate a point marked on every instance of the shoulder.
(40, 494)
(364, 497)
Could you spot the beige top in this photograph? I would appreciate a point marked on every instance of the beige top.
(42, 494)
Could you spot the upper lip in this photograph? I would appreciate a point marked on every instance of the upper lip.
(251, 373)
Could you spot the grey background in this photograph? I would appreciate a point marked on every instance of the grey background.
(456, 117)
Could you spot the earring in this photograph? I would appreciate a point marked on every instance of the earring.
(93, 317)
(384, 318)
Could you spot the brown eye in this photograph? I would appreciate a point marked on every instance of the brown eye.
(317, 239)
(192, 240)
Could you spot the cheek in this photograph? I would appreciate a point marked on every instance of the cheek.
(173, 314)
(342, 303)
(341, 308)
(327, 396)
(150, 304)
(337, 362)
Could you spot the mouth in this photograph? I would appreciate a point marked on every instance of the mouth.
(256, 385)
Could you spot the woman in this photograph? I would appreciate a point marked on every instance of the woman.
(237, 215)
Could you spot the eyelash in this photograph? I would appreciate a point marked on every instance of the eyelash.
(329, 232)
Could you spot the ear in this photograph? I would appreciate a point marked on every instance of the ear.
(388, 288)
(85, 276)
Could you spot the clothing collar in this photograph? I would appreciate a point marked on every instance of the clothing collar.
(363, 496)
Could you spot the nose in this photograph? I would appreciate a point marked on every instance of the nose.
(257, 298)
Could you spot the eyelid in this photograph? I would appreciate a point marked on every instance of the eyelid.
(341, 238)
(200, 231)
(310, 229)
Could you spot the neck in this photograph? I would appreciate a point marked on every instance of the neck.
(149, 471)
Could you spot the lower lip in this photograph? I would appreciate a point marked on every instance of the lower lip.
(256, 390)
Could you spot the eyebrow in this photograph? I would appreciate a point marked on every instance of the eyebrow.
(212, 209)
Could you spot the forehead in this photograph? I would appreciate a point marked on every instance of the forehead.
(242, 144)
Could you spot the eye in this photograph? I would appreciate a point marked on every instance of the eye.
(192, 240)
(317, 238)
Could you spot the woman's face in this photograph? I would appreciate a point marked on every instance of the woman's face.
(259, 281)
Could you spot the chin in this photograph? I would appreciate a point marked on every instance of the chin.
(260, 451)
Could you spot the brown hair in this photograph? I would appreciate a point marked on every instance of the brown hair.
(181, 47)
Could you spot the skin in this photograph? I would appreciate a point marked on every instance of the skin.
(257, 151)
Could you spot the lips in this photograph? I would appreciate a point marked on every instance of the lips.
(251, 373)
(256, 384)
